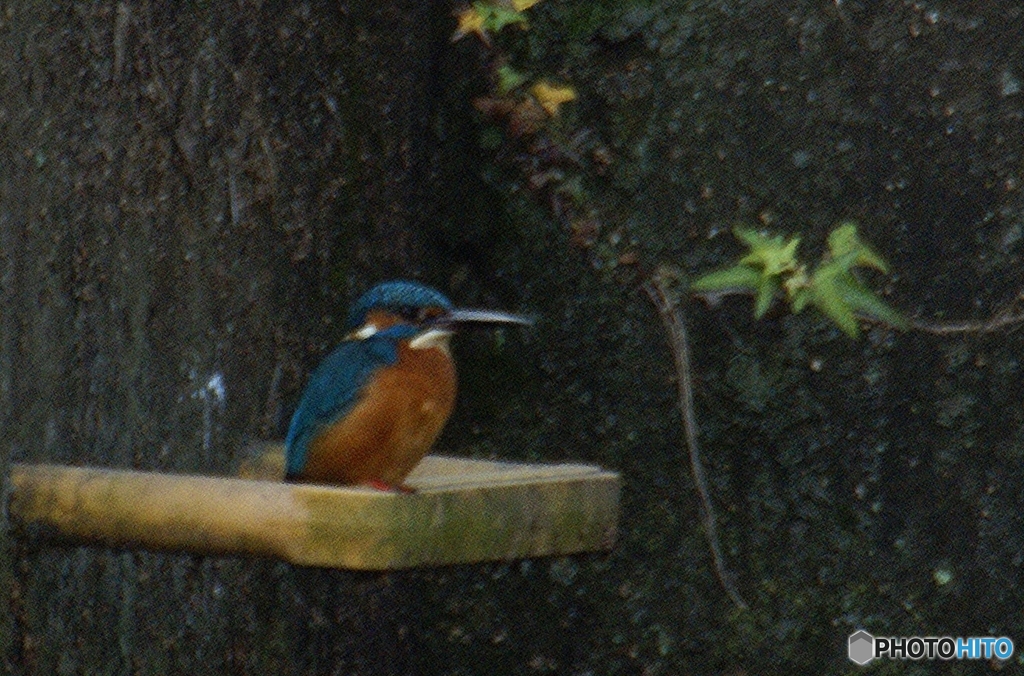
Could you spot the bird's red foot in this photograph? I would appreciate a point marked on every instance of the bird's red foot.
(376, 484)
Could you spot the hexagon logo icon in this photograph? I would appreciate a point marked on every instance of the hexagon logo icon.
(862, 647)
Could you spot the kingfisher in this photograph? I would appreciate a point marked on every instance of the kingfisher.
(376, 404)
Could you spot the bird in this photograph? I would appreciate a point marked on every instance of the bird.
(374, 407)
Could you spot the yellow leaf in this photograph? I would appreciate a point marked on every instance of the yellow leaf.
(520, 5)
(551, 97)
(471, 21)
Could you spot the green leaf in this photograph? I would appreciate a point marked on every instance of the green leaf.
(736, 277)
(508, 79)
(826, 294)
(830, 268)
(839, 312)
(798, 301)
(497, 17)
(867, 302)
(755, 239)
(773, 254)
(766, 291)
(771, 264)
(844, 240)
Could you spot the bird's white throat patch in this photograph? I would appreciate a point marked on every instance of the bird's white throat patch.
(431, 338)
(363, 332)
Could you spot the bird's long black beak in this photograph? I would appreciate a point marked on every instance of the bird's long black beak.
(464, 318)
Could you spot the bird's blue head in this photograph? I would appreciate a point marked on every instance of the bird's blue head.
(421, 307)
(399, 297)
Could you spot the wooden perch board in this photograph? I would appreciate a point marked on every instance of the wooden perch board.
(463, 511)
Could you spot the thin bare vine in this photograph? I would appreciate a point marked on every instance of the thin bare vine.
(1006, 317)
(667, 301)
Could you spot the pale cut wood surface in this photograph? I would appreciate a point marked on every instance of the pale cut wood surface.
(463, 511)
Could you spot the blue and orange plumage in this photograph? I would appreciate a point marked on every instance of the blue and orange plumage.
(377, 403)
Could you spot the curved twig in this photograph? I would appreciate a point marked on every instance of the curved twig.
(672, 317)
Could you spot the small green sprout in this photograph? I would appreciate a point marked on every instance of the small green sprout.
(771, 266)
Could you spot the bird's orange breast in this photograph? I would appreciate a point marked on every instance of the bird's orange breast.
(399, 414)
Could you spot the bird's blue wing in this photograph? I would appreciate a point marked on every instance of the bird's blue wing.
(332, 391)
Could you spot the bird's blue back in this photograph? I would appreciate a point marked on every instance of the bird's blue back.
(334, 387)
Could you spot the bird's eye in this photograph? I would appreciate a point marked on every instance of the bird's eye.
(417, 315)
(408, 312)
(428, 313)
